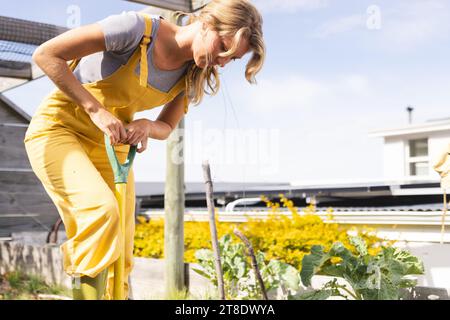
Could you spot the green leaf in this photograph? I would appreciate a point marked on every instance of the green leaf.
(339, 250)
(360, 245)
(204, 254)
(407, 283)
(312, 262)
(333, 270)
(413, 264)
(275, 267)
(316, 295)
(388, 291)
(202, 273)
(291, 277)
(260, 256)
(224, 243)
(241, 270)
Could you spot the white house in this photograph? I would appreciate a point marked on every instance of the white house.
(411, 151)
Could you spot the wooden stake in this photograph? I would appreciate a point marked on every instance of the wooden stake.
(444, 213)
(174, 216)
(251, 253)
(212, 226)
(174, 198)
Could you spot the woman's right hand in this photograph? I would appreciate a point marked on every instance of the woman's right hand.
(109, 124)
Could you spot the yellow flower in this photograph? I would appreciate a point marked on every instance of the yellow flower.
(278, 236)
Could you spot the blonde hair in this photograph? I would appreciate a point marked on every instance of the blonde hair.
(235, 18)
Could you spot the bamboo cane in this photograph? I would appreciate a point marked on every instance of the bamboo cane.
(213, 229)
(251, 253)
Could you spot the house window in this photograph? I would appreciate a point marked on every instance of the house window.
(418, 157)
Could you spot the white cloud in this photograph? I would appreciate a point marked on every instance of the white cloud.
(288, 92)
(402, 25)
(415, 23)
(289, 6)
(294, 92)
(354, 84)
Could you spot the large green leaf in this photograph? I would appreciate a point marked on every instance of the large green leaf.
(312, 262)
(387, 291)
(290, 277)
(334, 270)
(339, 250)
(413, 264)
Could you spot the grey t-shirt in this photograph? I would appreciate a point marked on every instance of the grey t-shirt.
(123, 33)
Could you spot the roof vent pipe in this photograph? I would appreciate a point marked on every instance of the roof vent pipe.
(410, 110)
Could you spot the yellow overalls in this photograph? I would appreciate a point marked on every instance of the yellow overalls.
(67, 153)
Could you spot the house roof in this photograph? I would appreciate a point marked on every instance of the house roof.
(181, 5)
(15, 107)
(427, 127)
(157, 188)
(395, 193)
(18, 40)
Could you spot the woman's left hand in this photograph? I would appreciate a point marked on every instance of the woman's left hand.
(138, 131)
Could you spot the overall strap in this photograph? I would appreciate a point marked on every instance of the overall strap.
(146, 39)
(73, 64)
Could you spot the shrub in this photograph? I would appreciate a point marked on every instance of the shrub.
(379, 277)
(238, 275)
(279, 236)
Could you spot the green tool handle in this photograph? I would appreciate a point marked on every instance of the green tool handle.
(120, 170)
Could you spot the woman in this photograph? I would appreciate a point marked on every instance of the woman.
(121, 65)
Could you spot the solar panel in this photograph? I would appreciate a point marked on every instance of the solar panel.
(15, 59)
(180, 5)
(18, 40)
(29, 32)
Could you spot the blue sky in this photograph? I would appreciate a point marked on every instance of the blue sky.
(335, 70)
